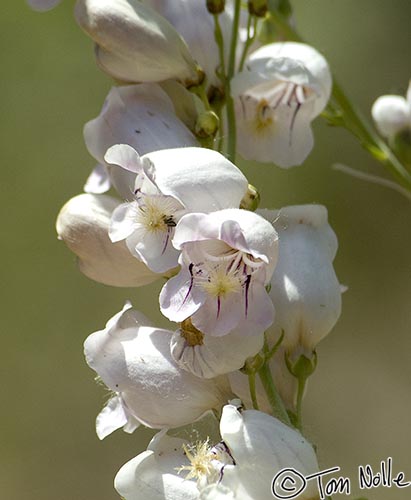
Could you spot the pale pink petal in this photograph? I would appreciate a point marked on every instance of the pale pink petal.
(98, 181)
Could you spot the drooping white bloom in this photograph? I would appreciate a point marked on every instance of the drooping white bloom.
(209, 356)
(304, 287)
(134, 361)
(283, 88)
(227, 258)
(141, 116)
(83, 224)
(169, 184)
(43, 5)
(255, 447)
(392, 114)
(134, 43)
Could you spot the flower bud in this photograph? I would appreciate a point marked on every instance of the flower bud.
(83, 225)
(257, 7)
(207, 125)
(134, 43)
(391, 114)
(215, 6)
(251, 199)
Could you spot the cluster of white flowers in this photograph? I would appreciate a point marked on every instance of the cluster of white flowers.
(237, 280)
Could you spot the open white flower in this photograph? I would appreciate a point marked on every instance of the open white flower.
(83, 225)
(141, 116)
(392, 114)
(169, 184)
(134, 361)
(283, 88)
(254, 449)
(134, 43)
(227, 259)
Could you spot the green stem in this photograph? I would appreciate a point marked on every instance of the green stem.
(300, 393)
(274, 399)
(351, 120)
(231, 123)
(218, 36)
(253, 392)
(249, 41)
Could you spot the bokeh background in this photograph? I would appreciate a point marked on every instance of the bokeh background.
(359, 401)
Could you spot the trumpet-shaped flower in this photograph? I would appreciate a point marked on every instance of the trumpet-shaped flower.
(134, 361)
(255, 447)
(283, 88)
(83, 225)
(134, 43)
(227, 259)
(169, 184)
(141, 116)
(304, 288)
(392, 114)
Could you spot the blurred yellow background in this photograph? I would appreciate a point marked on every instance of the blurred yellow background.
(359, 401)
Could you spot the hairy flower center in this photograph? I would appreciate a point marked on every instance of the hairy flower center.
(201, 459)
(221, 284)
(156, 213)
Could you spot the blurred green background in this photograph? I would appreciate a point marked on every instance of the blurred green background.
(359, 401)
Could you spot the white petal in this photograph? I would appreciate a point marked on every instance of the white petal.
(304, 288)
(136, 363)
(391, 114)
(83, 224)
(201, 179)
(310, 58)
(98, 181)
(111, 418)
(141, 116)
(152, 475)
(261, 446)
(123, 221)
(216, 355)
(178, 298)
(135, 44)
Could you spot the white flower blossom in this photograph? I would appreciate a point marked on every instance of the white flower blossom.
(227, 259)
(392, 114)
(283, 87)
(255, 447)
(141, 116)
(83, 225)
(304, 287)
(134, 361)
(169, 184)
(134, 43)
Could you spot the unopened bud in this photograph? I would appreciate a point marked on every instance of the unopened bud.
(257, 7)
(215, 6)
(207, 124)
(251, 199)
(303, 367)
